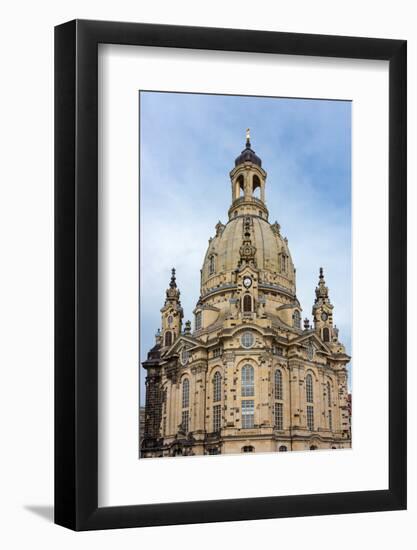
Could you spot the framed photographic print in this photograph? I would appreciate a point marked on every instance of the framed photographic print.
(230, 275)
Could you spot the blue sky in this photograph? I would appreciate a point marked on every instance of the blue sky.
(188, 143)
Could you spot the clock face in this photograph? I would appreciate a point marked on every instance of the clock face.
(324, 316)
(247, 281)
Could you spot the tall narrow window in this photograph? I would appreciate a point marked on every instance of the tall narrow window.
(309, 388)
(310, 417)
(248, 414)
(168, 338)
(247, 303)
(165, 401)
(297, 319)
(216, 418)
(329, 395)
(185, 421)
(279, 424)
(185, 393)
(217, 387)
(330, 421)
(326, 335)
(198, 320)
(278, 384)
(212, 264)
(248, 381)
(283, 263)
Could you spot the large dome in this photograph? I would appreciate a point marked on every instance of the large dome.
(271, 254)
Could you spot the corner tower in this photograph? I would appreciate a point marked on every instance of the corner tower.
(171, 314)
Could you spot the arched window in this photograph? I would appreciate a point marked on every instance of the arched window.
(326, 335)
(329, 395)
(217, 387)
(297, 319)
(168, 338)
(248, 449)
(212, 264)
(282, 449)
(198, 316)
(240, 186)
(283, 262)
(185, 393)
(313, 448)
(248, 381)
(309, 388)
(278, 384)
(247, 303)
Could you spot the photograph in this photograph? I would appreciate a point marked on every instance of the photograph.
(245, 274)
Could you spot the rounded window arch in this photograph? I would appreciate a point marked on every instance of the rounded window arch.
(256, 186)
(247, 303)
(283, 263)
(185, 393)
(296, 319)
(240, 185)
(326, 335)
(283, 449)
(217, 386)
(168, 338)
(309, 388)
(248, 381)
(313, 447)
(248, 449)
(198, 320)
(278, 384)
(212, 264)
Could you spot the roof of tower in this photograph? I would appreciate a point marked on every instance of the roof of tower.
(248, 154)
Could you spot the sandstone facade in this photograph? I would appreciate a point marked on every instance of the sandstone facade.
(249, 377)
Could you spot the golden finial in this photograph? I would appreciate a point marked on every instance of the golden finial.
(247, 134)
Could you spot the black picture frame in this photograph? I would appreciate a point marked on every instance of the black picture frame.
(76, 272)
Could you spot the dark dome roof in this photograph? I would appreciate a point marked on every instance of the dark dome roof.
(248, 155)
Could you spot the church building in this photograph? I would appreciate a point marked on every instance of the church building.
(249, 376)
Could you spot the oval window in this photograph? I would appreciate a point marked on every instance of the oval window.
(247, 340)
